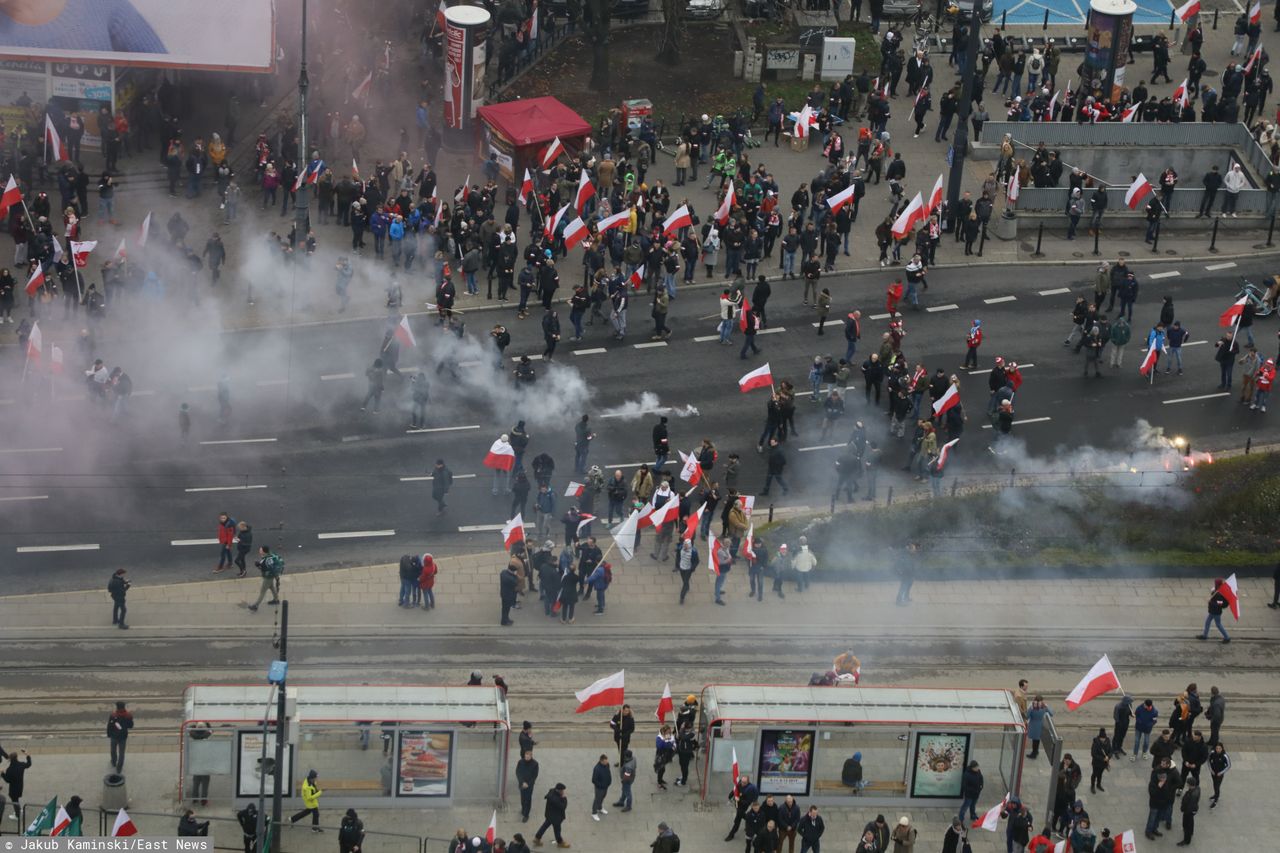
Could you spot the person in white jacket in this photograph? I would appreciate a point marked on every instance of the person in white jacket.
(1233, 182)
(802, 564)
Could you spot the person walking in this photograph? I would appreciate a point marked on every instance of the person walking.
(226, 538)
(627, 777)
(119, 723)
(271, 567)
(744, 794)
(1215, 714)
(810, 830)
(508, 590)
(601, 779)
(553, 815)
(1035, 723)
(118, 588)
(1217, 603)
(441, 481)
(526, 778)
(311, 793)
(244, 544)
(1219, 764)
(15, 775)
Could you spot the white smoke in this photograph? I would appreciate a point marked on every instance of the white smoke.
(648, 404)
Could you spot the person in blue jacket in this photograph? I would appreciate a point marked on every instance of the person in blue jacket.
(1035, 723)
(1144, 720)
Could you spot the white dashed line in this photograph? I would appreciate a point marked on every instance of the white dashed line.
(592, 351)
(879, 317)
(627, 464)
(466, 364)
(1055, 291)
(997, 300)
(1194, 399)
(484, 528)
(847, 388)
(1027, 421)
(705, 338)
(650, 345)
(442, 429)
(25, 498)
(517, 358)
(1226, 266)
(31, 450)
(1169, 274)
(820, 447)
(1194, 343)
(226, 488)
(772, 330)
(241, 441)
(933, 309)
(988, 370)
(180, 543)
(355, 534)
(429, 477)
(49, 549)
(329, 377)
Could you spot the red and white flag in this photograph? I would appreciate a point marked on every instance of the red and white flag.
(549, 229)
(575, 232)
(526, 188)
(1253, 57)
(668, 513)
(1127, 843)
(61, 823)
(624, 535)
(603, 693)
(440, 19)
(1129, 113)
(80, 252)
(404, 334)
(12, 195)
(758, 378)
(1187, 10)
(53, 139)
(123, 826)
(35, 342)
(748, 504)
(464, 192)
(990, 821)
(1015, 186)
(501, 456)
(947, 400)
(1138, 190)
(121, 251)
(681, 218)
(665, 705)
(533, 22)
(55, 358)
(362, 91)
(749, 544)
(145, 231)
(935, 198)
(907, 219)
(1232, 315)
(1230, 590)
(637, 277)
(946, 452)
(690, 471)
(36, 281)
(492, 832)
(513, 532)
(1181, 94)
(805, 121)
(616, 221)
(1100, 680)
(355, 167)
(1255, 12)
(586, 189)
(1063, 846)
(840, 199)
(584, 519)
(691, 523)
(1150, 359)
(1053, 102)
(722, 212)
(713, 564)
(734, 770)
(554, 150)
(574, 489)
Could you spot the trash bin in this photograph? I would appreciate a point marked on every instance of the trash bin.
(1005, 226)
(115, 794)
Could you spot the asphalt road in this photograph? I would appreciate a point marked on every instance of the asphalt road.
(323, 482)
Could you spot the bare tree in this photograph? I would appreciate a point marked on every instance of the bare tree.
(669, 46)
(595, 24)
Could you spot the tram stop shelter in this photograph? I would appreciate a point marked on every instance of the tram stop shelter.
(914, 742)
(398, 745)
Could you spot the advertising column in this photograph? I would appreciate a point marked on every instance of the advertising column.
(1108, 35)
(465, 29)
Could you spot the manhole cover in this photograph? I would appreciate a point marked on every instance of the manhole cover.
(1077, 254)
(1170, 252)
(1124, 254)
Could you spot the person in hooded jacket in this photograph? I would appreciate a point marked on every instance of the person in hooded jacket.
(1217, 603)
(350, 833)
(1121, 714)
(1100, 760)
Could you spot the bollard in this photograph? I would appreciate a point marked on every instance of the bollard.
(1039, 239)
(1096, 232)
(953, 488)
(771, 513)
(1248, 445)
(888, 501)
(1271, 230)
(1012, 472)
(1045, 26)
(1215, 19)
(1003, 15)
(1172, 17)
(1213, 241)
(1155, 243)
(982, 241)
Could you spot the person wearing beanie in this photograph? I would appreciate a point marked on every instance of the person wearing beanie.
(903, 836)
(879, 829)
(851, 774)
(954, 837)
(553, 815)
(350, 832)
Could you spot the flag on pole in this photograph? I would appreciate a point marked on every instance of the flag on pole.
(758, 378)
(144, 231)
(713, 563)
(1014, 186)
(492, 832)
(585, 519)
(1232, 315)
(1253, 57)
(1100, 680)
(121, 251)
(513, 532)
(586, 190)
(690, 470)
(554, 150)
(990, 820)
(945, 452)
(526, 188)
(123, 826)
(947, 400)
(61, 823)
(57, 250)
(603, 693)
(749, 544)
(722, 212)
(298, 181)
(440, 15)
(1255, 12)
(464, 192)
(362, 91)
(907, 219)
(637, 277)
(574, 489)
(314, 169)
(681, 218)
(1138, 190)
(840, 199)
(1053, 102)
(618, 219)
(355, 167)
(1230, 590)
(1152, 356)
(55, 358)
(1181, 94)
(691, 523)
(575, 232)
(80, 252)
(501, 456)
(624, 535)
(44, 820)
(1187, 10)
(549, 229)
(935, 198)
(1128, 114)
(12, 195)
(734, 771)
(36, 281)
(55, 141)
(665, 705)
(404, 334)
(35, 342)
(665, 514)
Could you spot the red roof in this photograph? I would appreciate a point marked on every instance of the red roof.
(534, 120)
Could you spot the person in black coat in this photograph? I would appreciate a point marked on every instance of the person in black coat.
(553, 814)
(1100, 759)
(568, 595)
(509, 584)
(15, 775)
(601, 779)
(970, 789)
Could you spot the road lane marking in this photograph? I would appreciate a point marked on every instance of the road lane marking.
(179, 543)
(49, 549)
(329, 377)
(988, 370)
(1026, 421)
(442, 429)
(349, 438)
(1194, 343)
(241, 441)
(847, 388)
(484, 528)
(226, 488)
(429, 477)
(703, 339)
(1215, 267)
(772, 330)
(997, 300)
(1169, 274)
(879, 317)
(25, 498)
(1055, 291)
(266, 383)
(1194, 399)
(627, 464)
(354, 534)
(516, 358)
(201, 387)
(592, 351)
(933, 309)
(650, 344)
(820, 447)
(31, 450)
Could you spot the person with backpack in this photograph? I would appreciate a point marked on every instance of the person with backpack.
(350, 833)
(272, 567)
(118, 725)
(118, 588)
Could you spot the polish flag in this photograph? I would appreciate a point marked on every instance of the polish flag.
(1149, 361)
(574, 489)
(1181, 94)
(1186, 10)
(722, 212)
(690, 471)
(935, 198)
(36, 281)
(549, 230)
(362, 91)
(55, 358)
(840, 199)
(1253, 57)
(586, 190)
(298, 181)
(61, 823)
(604, 693)
(1230, 590)
(404, 334)
(713, 563)
(1053, 102)
(1100, 680)
(804, 121)
(615, 221)
(758, 378)
(12, 195)
(440, 20)
(492, 832)
(624, 535)
(1015, 185)
(584, 519)
(35, 342)
(464, 192)
(355, 168)
(1127, 115)
(533, 22)
(526, 188)
(734, 770)
(991, 820)
(314, 169)
(1255, 14)
(1127, 843)
(682, 218)
(144, 231)
(665, 705)
(1232, 315)
(665, 514)
(554, 150)
(1063, 846)
(80, 252)
(884, 90)
(911, 214)
(691, 523)
(54, 140)
(501, 456)
(513, 532)
(637, 277)
(123, 826)
(947, 400)
(744, 313)
(749, 544)
(748, 504)
(945, 452)
(121, 251)
(575, 232)
(1138, 190)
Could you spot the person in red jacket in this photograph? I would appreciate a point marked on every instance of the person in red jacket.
(427, 582)
(892, 296)
(226, 538)
(1262, 383)
(1042, 843)
(973, 340)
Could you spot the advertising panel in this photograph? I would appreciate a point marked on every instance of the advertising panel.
(938, 769)
(249, 756)
(166, 33)
(786, 761)
(424, 766)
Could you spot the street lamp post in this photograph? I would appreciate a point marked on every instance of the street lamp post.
(302, 199)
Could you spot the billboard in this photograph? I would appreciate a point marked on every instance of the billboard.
(425, 767)
(786, 760)
(938, 769)
(165, 33)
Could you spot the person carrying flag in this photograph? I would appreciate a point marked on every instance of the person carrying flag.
(1217, 603)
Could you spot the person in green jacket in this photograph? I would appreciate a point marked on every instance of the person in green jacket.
(1120, 333)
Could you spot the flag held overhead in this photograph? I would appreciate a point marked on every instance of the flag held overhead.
(603, 693)
(1100, 680)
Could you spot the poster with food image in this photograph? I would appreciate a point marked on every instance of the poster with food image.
(786, 759)
(425, 764)
(940, 759)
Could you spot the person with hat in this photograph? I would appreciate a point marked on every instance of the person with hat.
(903, 836)
(118, 588)
(851, 773)
(954, 837)
(553, 815)
(311, 793)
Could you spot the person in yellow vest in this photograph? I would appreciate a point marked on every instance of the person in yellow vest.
(311, 793)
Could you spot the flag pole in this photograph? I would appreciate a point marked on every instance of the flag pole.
(1235, 327)
(25, 210)
(26, 361)
(76, 268)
